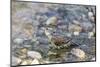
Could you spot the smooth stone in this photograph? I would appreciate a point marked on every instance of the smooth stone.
(90, 34)
(78, 53)
(92, 19)
(42, 40)
(15, 61)
(76, 22)
(27, 46)
(68, 34)
(93, 59)
(18, 40)
(94, 30)
(40, 32)
(87, 26)
(74, 28)
(90, 14)
(63, 27)
(76, 33)
(34, 54)
(52, 21)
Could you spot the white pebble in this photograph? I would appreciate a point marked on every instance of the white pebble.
(90, 14)
(90, 34)
(76, 22)
(78, 53)
(76, 33)
(34, 54)
(18, 40)
(52, 21)
(93, 59)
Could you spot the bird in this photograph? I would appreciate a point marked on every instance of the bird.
(56, 40)
(59, 40)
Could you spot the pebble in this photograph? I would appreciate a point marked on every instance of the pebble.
(76, 22)
(92, 19)
(90, 14)
(90, 34)
(86, 26)
(42, 40)
(75, 28)
(15, 61)
(52, 21)
(40, 32)
(76, 33)
(93, 59)
(78, 53)
(34, 54)
(18, 40)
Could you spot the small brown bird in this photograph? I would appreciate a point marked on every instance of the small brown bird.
(59, 41)
(56, 40)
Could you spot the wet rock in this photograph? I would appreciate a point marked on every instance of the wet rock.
(34, 54)
(15, 61)
(78, 53)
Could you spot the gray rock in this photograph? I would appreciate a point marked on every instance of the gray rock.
(42, 40)
(63, 27)
(87, 26)
(40, 32)
(76, 22)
